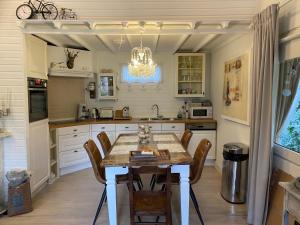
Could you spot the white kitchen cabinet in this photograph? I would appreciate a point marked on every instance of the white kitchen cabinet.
(190, 75)
(106, 86)
(126, 129)
(109, 129)
(177, 128)
(39, 163)
(36, 57)
(72, 155)
(198, 136)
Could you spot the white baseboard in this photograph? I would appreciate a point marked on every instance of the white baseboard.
(72, 169)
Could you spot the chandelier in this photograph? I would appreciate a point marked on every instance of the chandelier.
(141, 64)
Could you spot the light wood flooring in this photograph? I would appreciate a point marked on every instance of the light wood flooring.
(73, 199)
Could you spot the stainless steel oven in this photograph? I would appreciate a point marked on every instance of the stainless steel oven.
(37, 99)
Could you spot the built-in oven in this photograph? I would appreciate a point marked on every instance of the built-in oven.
(37, 99)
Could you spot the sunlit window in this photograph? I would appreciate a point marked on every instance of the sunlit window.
(288, 134)
(131, 79)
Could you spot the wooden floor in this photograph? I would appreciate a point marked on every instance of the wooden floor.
(73, 199)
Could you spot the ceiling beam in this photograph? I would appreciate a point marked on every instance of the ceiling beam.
(188, 31)
(52, 40)
(180, 42)
(81, 42)
(107, 43)
(205, 41)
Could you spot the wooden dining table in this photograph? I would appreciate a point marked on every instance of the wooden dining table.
(118, 161)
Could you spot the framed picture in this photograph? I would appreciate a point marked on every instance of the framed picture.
(236, 89)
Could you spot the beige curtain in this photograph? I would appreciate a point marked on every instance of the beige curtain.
(265, 26)
(284, 102)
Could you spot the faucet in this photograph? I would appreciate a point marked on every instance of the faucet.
(155, 106)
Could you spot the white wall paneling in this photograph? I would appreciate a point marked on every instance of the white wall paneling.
(227, 131)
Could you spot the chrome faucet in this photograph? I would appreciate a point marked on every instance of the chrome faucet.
(155, 106)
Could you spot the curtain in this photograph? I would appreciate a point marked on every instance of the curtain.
(284, 102)
(265, 42)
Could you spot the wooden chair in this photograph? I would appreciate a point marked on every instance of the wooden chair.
(186, 137)
(150, 203)
(104, 142)
(106, 148)
(99, 171)
(185, 140)
(195, 172)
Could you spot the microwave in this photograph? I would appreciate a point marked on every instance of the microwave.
(201, 112)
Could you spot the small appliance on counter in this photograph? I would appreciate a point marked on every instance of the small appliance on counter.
(94, 113)
(201, 110)
(83, 112)
(106, 113)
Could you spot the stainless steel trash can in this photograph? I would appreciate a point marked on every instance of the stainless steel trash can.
(235, 172)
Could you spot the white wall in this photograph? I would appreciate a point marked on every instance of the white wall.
(227, 131)
(140, 98)
(289, 19)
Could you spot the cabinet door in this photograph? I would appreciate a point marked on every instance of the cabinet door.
(36, 51)
(111, 135)
(39, 153)
(106, 86)
(197, 137)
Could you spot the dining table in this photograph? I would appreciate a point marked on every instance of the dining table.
(118, 161)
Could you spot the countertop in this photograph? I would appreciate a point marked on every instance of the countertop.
(69, 123)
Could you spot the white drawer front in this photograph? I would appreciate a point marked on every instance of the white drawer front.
(72, 141)
(103, 127)
(126, 127)
(173, 127)
(74, 130)
(155, 126)
(73, 157)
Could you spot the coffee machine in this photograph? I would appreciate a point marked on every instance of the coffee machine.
(83, 112)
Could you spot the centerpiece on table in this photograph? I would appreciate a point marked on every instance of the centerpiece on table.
(144, 134)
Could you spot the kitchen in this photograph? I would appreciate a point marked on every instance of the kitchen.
(79, 84)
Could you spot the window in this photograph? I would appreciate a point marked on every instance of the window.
(130, 79)
(288, 130)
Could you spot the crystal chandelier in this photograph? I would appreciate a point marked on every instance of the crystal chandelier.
(141, 62)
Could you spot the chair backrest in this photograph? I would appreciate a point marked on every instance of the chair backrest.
(199, 160)
(96, 159)
(186, 137)
(105, 143)
(150, 203)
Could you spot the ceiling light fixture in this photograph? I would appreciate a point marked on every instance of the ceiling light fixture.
(141, 64)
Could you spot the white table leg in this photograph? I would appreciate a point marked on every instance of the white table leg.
(111, 189)
(184, 171)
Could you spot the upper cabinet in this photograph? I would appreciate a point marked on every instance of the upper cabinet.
(106, 84)
(190, 75)
(36, 57)
(68, 62)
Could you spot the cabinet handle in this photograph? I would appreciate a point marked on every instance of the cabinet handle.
(173, 126)
(102, 128)
(75, 130)
(126, 127)
(150, 127)
(75, 151)
(75, 135)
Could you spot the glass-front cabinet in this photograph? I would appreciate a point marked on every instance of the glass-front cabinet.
(106, 83)
(190, 75)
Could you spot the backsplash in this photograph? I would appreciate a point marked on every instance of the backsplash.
(140, 98)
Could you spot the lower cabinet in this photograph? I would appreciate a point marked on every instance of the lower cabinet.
(39, 162)
(72, 155)
(177, 128)
(198, 136)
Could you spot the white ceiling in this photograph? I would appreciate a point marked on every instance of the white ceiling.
(120, 36)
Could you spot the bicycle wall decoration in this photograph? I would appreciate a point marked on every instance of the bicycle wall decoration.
(48, 10)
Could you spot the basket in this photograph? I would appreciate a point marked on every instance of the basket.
(19, 199)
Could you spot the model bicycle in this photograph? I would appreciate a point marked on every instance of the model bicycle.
(28, 10)
(67, 14)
